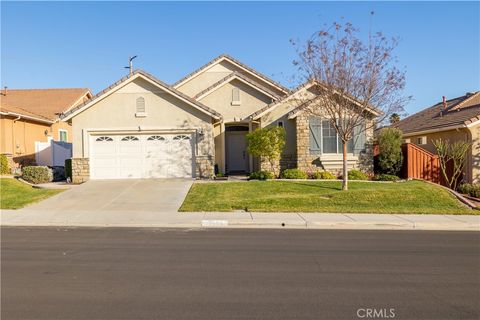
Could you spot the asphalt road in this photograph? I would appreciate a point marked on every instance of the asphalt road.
(52, 273)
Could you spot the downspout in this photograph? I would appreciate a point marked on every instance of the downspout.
(14, 146)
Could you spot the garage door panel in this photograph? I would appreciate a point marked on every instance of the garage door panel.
(142, 156)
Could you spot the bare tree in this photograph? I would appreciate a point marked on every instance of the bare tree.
(355, 82)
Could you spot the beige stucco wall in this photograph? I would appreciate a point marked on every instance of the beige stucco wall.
(472, 168)
(251, 100)
(215, 73)
(164, 111)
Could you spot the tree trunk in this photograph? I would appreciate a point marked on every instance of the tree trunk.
(345, 167)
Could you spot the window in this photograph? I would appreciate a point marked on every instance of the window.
(235, 97)
(158, 138)
(104, 139)
(129, 138)
(422, 140)
(63, 135)
(140, 107)
(280, 124)
(407, 140)
(324, 139)
(181, 137)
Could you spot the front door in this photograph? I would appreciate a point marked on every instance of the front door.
(237, 157)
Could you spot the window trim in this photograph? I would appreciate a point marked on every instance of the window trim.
(421, 141)
(140, 114)
(321, 151)
(234, 102)
(60, 136)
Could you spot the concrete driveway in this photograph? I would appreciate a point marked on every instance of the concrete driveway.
(146, 195)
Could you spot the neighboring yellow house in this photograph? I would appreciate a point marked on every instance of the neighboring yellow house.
(31, 115)
(455, 119)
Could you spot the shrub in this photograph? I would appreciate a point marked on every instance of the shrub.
(267, 144)
(261, 175)
(470, 189)
(323, 175)
(4, 166)
(385, 177)
(294, 174)
(68, 169)
(37, 174)
(357, 175)
(390, 156)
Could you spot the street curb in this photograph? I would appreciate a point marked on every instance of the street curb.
(266, 225)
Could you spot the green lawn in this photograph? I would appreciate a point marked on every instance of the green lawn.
(323, 196)
(15, 194)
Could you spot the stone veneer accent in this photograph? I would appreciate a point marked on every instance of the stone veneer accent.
(80, 170)
(204, 167)
(286, 161)
(315, 162)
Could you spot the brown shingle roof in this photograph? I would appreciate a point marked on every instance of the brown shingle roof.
(241, 76)
(459, 111)
(154, 79)
(47, 103)
(16, 111)
(226, 56)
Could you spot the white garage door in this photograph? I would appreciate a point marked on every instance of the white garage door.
(141, 156)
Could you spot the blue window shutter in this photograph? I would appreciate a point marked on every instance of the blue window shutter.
(315, 137)
(359, 138)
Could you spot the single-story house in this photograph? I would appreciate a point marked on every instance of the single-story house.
(141, 127)
(454, 119)
(28, 116)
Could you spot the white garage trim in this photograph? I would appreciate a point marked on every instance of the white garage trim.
(134, 154)
(132, 130)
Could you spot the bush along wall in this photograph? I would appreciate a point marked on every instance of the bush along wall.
(37, 174)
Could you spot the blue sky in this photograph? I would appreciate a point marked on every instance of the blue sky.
(87, 44)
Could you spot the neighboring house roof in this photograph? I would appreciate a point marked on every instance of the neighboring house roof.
(239, 64)
(297, 109)
(19, 112)
(47, 103)
(459, 112)
(145, 75)
(242, 78)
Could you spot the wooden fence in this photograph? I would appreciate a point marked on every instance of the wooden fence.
(419, 163)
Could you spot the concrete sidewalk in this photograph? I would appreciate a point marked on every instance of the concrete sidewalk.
(129, 218)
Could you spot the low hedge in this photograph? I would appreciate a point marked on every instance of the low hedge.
(323, 175)
(472, 189)
(37, 174)
(294, 174)
(261, 175)
(385, 177)
(357, 175)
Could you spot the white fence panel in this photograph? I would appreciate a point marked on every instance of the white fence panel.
(61, 151)
(52, 153)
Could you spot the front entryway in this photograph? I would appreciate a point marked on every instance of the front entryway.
(236, 150)
(141, 156)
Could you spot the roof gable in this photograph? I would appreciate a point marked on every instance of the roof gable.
(302, 89)
(242, 78)
(459, 112)
(149, 78)
(242, 68)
